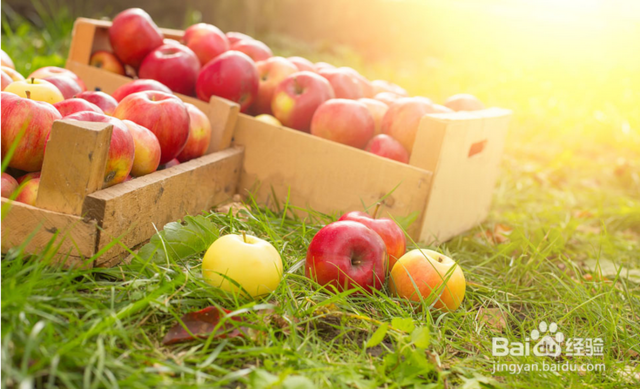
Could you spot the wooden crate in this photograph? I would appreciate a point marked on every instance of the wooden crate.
(446, 187)
(84, 219)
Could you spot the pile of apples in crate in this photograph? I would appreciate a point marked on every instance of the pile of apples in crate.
(338, 104)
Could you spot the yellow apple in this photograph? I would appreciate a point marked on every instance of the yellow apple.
(39, 90)
(426, 270)
(251, 262)
(268, 119)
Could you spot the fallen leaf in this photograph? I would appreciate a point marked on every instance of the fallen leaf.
(631, 374)
(499, 234)
(494, 318)
(237, 207)
(202, 324)
(582, 214)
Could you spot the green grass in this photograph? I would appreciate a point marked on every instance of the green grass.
(569, 189)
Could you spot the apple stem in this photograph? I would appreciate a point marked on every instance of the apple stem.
(28, 93)
(375, 211)
(244, 237)
(33, 80)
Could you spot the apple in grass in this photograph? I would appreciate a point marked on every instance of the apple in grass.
(346, 254)
(270, 72)
(403, 118)
(419, 274)
(344, 121)
(385, 146)
(380, 86)
(206, 41)
(8, 185)
(237, 263)
(343, 83)
(6, 60)
(297, 97)
(161, 113)
(234, 37)
(29, 191)
(106, 103)
(108, 61)
(133, 35)
(256, 50)
(199, 134)
(138, 86)
(464, 102)
(73, 105)
(146, 150)
(231, 75)
(302, 64)
(121, 147)
(27, 122)
(36, 89)
(175, 66)
(377, 109)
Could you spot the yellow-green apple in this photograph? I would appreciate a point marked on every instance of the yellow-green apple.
(147, 150)
(66, 85)
(199, 134)
(8, 185)
(302, 64)
(464, 102)
(27, 122)
(231, 75)
(6, 79)
(106, 103)
(268, 119)
(387, 97)
(297, 97)
(234, 37)
(133, 35)
(53, 71)
(236, 263)
(344, 84)
(121, 148)
(108, 61)
(175, 66)
(28, 176)
(36, 89)
(385, 146)
(403, 118)
(380, 86)
(138, 86)
(73, 105)
(391, 234)
(15, 76)
(29, 191)
(206, 41)
(429, 272)
(6, 60)
(323, 65)
(344, 121)
(256, 50)
(346, 254)
(377, 109)
(271, 72)
(163, 114)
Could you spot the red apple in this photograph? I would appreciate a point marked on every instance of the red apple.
(231, 75)
(302, 64)
(71, 106)
(322, 66)
(106, 60)
(344, 84)
(297, 97)
(387, 229)
(6, 60)
(235, 37)
(53, 71)
(377, 109)
(163, 114)
(66, 85)
(387, 147)
(170, 164)
(387, 97)
(167, 41)
(121, 148)
(28, 176)
(106, 103)
(271, 72)
(380, 86)
(365, 85)
(464, 102)
(33, 119)
(344, 121)
(345, 254)
(206, 41)
(199, 134)
(133, 35)
(29, 192)
(138, 86)
(403, 118)
(6, 79)
(175, 66)
(147, 150)
(257, 50)
(8, 185)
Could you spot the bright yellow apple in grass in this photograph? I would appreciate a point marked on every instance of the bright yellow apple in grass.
(36, 89)
(251, 262)
(426, 270)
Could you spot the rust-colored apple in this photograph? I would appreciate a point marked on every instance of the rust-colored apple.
(147, 150)
(271, 73)
(199, 134)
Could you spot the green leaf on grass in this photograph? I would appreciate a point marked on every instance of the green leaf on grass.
(420, 337)
(378, 336)
(403, 324)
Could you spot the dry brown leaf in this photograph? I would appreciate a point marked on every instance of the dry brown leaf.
(238, 209)
(494, 318)
(582, 214)
(499, 234)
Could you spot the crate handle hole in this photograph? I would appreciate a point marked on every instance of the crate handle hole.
(477, 148)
